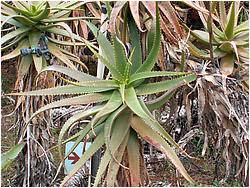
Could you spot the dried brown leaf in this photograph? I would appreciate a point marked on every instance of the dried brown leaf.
(134, 8)
(150, 6)
(115, 12)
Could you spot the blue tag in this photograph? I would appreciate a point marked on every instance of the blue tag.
(72, 159)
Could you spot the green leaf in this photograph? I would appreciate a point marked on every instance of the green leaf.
(223, 16)
(156, 140)
(98, 142)
(97, 83)
(229, 31)
(197, 52)
(61, 32)
(120, 129)
(13, 42)
(153, 124)
(18, 10)
(14, 34)
(114, 71)
(122, 91)
(9, 156)
(58, 54)
(135, 44)
(79, 100)
(63, 90)
(113, 103)
(160, 101)
(133, 148)
(242, 27)
(80, 18)
(11, 20)
(34, 38)
(114, 166)
(43, 14)
(140, 109)
(76, 117)
(75, 74)
(120, 56)
(65, 43)
(16, 52)
(201, 36)
(152, 57)
(112, 122)
(151, 74)
(65, 8)
(157, 87)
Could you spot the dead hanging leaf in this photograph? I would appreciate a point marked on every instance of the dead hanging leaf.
(113, 17)
(93, 10)
(75, 13)
(227, 64)
(168, 10)
(162, 58)
(134, 8)
(151, 7)
(188, 107)
(200, 8)
(169, 36)
(80, 27)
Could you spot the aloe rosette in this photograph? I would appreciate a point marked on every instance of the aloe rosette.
(120, 118)
(28, 21)
(230, 38)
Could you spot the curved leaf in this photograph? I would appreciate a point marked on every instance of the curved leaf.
(229, 31)
(113, 103)
(84, 99)
(13, 42)
(118, 135)
(134, 8)
(34, 38)
(63, 90)
(76, 117)
(136, 58)
(133, 148)
(140, 109)
(58, 54)
(113, 17)
(121, 60)
(97, 144)
(151, 74)
(75, 74)
(242, 27)
(114, 166)
(14, 34)
(16, 52)
(152, 57)
(57, 20)
(227, 64)
(157, 87)
(9, 156)
(156, 140)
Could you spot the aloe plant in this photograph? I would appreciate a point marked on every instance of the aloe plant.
(31, 33)
(120, 118)
(230, 39)
(32, 21)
